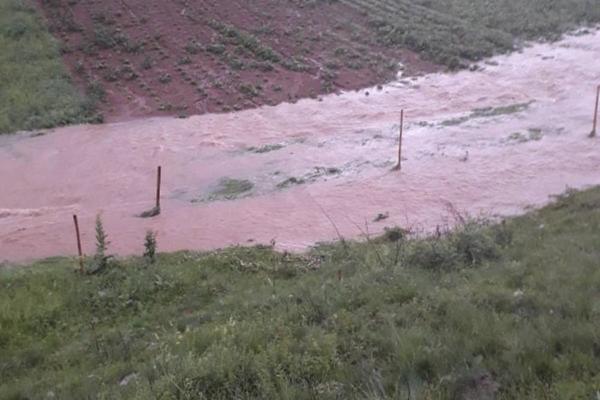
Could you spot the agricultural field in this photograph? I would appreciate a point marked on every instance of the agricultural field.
(456, 32)
(189, 57)
(486, 311)
(133, 59)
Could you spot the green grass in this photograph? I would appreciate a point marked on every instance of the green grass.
(35, 89)
(514, 306)
(451, 32)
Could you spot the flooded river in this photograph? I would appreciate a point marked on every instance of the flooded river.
(495, 142)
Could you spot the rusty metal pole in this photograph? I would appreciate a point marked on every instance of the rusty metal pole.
(158, 178)
(593, 133)
(399, 165)
(80, 253)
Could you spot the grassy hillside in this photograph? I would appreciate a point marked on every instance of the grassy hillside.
(510, 309)
(450, 31)
(35, 89)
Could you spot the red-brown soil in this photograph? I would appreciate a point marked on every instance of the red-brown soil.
(184, 57)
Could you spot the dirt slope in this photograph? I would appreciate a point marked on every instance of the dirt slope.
(184, 57)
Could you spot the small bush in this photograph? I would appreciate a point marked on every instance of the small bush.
(432, 254)
(474, 243)
(249, 89)
(193, 47)
(216, 48)
(150, 247)
(105, 38)
(394, 234)
(184, 60)
(471, 243)
(147, 63)
(296, 64)
(100, 259)
(165, 78)
(96, 91)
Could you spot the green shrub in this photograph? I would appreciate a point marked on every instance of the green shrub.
(100, 260)
(433, 254)
(150, 247)
(475, 243)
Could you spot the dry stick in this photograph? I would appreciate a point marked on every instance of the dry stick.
(593, 133)
(158, 177)
(78, 243)
(369, 242)
(398, 166)
(337, 231)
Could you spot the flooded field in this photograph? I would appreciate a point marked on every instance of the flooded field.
(493, 141)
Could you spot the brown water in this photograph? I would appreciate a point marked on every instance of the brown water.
(499, 161)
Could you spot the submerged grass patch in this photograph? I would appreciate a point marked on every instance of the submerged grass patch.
(35, 89)
(534, 134)
(230, 189)
(266, 148)
(508, 310)
(312, 176)
(487, 112)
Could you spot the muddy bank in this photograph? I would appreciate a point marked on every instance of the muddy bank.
(495, 141)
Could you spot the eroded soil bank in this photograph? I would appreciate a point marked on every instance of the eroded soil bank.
(494, 141)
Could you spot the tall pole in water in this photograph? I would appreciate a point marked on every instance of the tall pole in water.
(399, 165)
(158, 178)
(593, 133)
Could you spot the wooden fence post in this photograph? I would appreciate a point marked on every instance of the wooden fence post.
(398, 166)
(158, 179)
(79, 251)
(593, 133)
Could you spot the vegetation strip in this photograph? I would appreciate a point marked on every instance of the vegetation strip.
(35, 89)
(484, 311)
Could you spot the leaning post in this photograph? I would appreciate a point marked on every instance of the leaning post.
(79, 251)
(593, 133)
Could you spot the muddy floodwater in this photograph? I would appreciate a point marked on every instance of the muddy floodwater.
(493, 142)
